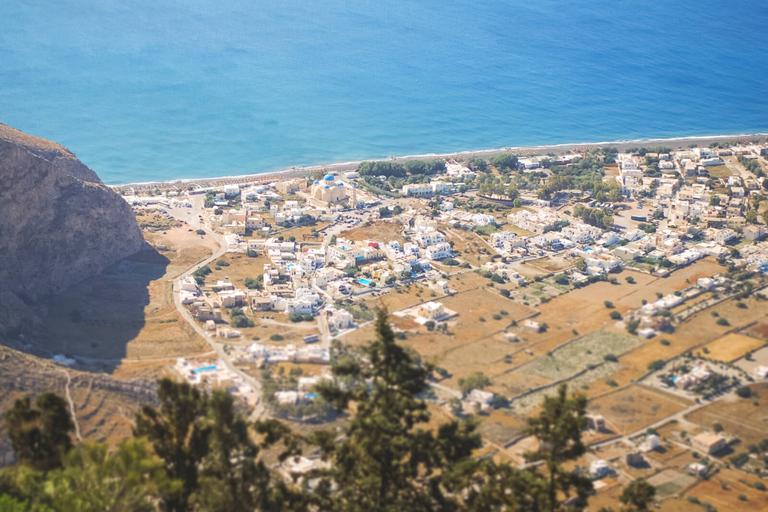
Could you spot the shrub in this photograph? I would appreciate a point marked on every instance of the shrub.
(481, 319)
(630, 280)
(611, 358)
(451, 262)
(240, 321)
(632, 326)
(251, 253)
(200, 232)
(665, 342)
(222, 263)
(742, 497)
(308, 318)
(608, 304)
(717, 427)
(760, 486)
(615, 315)
(497, 317)
(657, 365)
(741, 305)
(276, 337)
(744, 392)
(722, 321)
(496, 278)
(562, 279)
(612, 383)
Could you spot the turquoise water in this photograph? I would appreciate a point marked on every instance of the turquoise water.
(141, 91)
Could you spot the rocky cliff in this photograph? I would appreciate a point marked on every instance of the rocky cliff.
(58, 223)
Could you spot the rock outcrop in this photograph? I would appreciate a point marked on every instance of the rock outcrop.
(59, 224)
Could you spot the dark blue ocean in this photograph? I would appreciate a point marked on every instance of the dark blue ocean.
(157, 90)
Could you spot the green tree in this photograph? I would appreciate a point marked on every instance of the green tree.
(95, 480)
(386, 462)
(638, 496)
(558, 429)
(40, 435)
(179, 436)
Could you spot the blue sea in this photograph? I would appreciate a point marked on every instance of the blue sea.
(148, 90)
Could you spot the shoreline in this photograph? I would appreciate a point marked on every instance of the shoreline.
(294, 171)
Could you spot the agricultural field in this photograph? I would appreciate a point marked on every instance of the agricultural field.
(482, 313)
(739, 416)
(670, 482)
(587, 351)
(730, 347)
(634, 407)
(723, 490)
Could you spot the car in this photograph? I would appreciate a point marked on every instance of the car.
(190, 229)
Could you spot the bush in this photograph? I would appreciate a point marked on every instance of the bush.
(760, 486)
(451, 262)
(497, 317)
(615, 315)
(200, 232)
(308, 318)
(251, 253)
(657, 365)
(504, 293)
(562, 279)
(744, 392)
(496, 278)
(739, 460)
(276, 337)
(722, 321)
(742, 497)
(717, 427)
(240, 321)
(666, 343)
(632, 326)
(630, 280)
(612, 383)
(222, 263)
(608, 304)
(611, 358)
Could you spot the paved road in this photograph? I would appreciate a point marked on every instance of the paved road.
(215, 345)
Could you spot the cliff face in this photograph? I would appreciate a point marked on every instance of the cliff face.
(59, 223)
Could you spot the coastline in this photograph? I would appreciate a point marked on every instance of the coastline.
(293, 172)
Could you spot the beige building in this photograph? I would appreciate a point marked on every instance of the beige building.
(327, 190)
(708, 443)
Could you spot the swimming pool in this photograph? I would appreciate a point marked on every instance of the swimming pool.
(206, 369)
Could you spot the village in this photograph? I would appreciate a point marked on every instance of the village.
(638, 278)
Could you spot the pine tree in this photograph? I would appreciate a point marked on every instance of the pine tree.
(40, 435)
(384, 462)
(558, 429)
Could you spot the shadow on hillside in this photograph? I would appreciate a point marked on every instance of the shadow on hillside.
(94, 320)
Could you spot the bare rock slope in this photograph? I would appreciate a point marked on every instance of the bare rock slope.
(59, 223)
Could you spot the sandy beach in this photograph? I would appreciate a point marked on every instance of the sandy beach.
(268, 177)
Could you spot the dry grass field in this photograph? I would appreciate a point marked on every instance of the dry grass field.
(381, 230)
(635, 407)
(127, 312)
(738, 416)
(730, 347)
(723, 491)
(240, 266)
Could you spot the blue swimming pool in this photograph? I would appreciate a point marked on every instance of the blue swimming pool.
(206, 369)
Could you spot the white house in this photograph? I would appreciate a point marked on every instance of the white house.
(439, 251)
